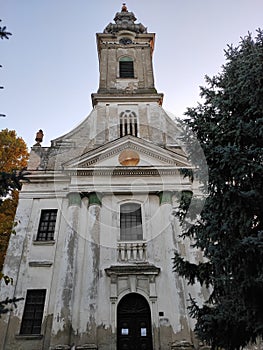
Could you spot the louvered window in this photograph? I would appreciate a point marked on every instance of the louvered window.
(47, 225)
(131, 222)
(33, 311)
(126, 67)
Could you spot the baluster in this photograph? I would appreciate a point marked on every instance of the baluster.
(135, 251)
(122, 252)
(129, 248)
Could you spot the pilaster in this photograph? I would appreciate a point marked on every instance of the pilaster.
(62, 322)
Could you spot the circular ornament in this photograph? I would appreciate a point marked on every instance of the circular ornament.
(125, 41)
(129, 157)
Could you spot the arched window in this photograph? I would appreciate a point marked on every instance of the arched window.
(131, 222)
(128, 124)
(126, 68)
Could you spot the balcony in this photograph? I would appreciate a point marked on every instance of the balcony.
(134, 251)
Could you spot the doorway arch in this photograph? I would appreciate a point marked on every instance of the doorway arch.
(134, 329)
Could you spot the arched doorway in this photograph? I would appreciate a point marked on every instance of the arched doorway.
(134, 330)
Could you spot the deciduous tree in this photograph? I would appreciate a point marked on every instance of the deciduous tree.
(13, 158)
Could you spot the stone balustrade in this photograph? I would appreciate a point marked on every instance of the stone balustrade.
(132, 251)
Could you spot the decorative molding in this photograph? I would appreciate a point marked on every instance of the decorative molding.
(64, 143)
(181, 345)
(138, 269)
(48, 243)
(165, 197)
(94, 198)
(114, 98)
(40, 263)
(74, 198)
(123, 171)
(29, 336)
(129, 145)
(113, 148)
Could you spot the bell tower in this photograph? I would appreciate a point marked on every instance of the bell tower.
(125, 50)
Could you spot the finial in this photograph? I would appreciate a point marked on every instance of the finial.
(39, 137)
(124, 8)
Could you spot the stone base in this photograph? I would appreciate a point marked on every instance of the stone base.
(182, 345)
(78, 347)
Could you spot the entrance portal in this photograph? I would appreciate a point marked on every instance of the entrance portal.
(134, 330)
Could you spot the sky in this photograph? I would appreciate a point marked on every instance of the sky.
(50, 63)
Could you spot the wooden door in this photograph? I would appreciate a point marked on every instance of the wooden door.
(134, 331)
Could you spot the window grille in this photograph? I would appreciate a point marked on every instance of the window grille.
(33, 311)
(126, 67)
(131, 222)
(47, 225)
(128, 124)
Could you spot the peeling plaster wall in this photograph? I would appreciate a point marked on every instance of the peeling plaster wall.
(88, 309)
(82, 297)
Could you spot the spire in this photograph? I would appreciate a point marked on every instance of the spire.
(125, 20)
(124, 8)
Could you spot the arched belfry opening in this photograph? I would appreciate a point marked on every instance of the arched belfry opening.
(134, 329)
(128, 124)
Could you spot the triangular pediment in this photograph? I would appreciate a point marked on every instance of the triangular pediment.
(108, 155)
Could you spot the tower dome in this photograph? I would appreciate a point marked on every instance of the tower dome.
(125, 20)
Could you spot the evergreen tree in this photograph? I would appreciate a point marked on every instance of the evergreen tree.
(4, 34)
(229, 127)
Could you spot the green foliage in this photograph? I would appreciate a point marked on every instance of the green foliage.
(3, 32)
(229, 127)
(5, 303)
(13, 159)
(11, 181)
(3, 35)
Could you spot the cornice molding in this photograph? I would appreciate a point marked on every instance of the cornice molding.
(138, 269)
(127, 97)
(123, 171)
(114, 148)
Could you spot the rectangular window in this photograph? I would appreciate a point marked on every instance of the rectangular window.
(33, 311)
(131, 222)
(47, 225)
(126, 69)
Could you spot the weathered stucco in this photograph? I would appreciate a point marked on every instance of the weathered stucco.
(86, 270)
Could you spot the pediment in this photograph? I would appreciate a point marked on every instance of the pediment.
(108, 155)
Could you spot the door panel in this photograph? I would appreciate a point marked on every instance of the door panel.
(134, 323)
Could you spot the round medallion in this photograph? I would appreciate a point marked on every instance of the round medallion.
(129, 157)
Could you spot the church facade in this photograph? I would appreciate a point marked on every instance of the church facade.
(92, 254)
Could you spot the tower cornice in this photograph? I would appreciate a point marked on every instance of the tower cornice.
(126, 97)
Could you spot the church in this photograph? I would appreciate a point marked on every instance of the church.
(97, 229)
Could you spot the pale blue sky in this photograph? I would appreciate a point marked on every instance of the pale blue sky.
(50, 64)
